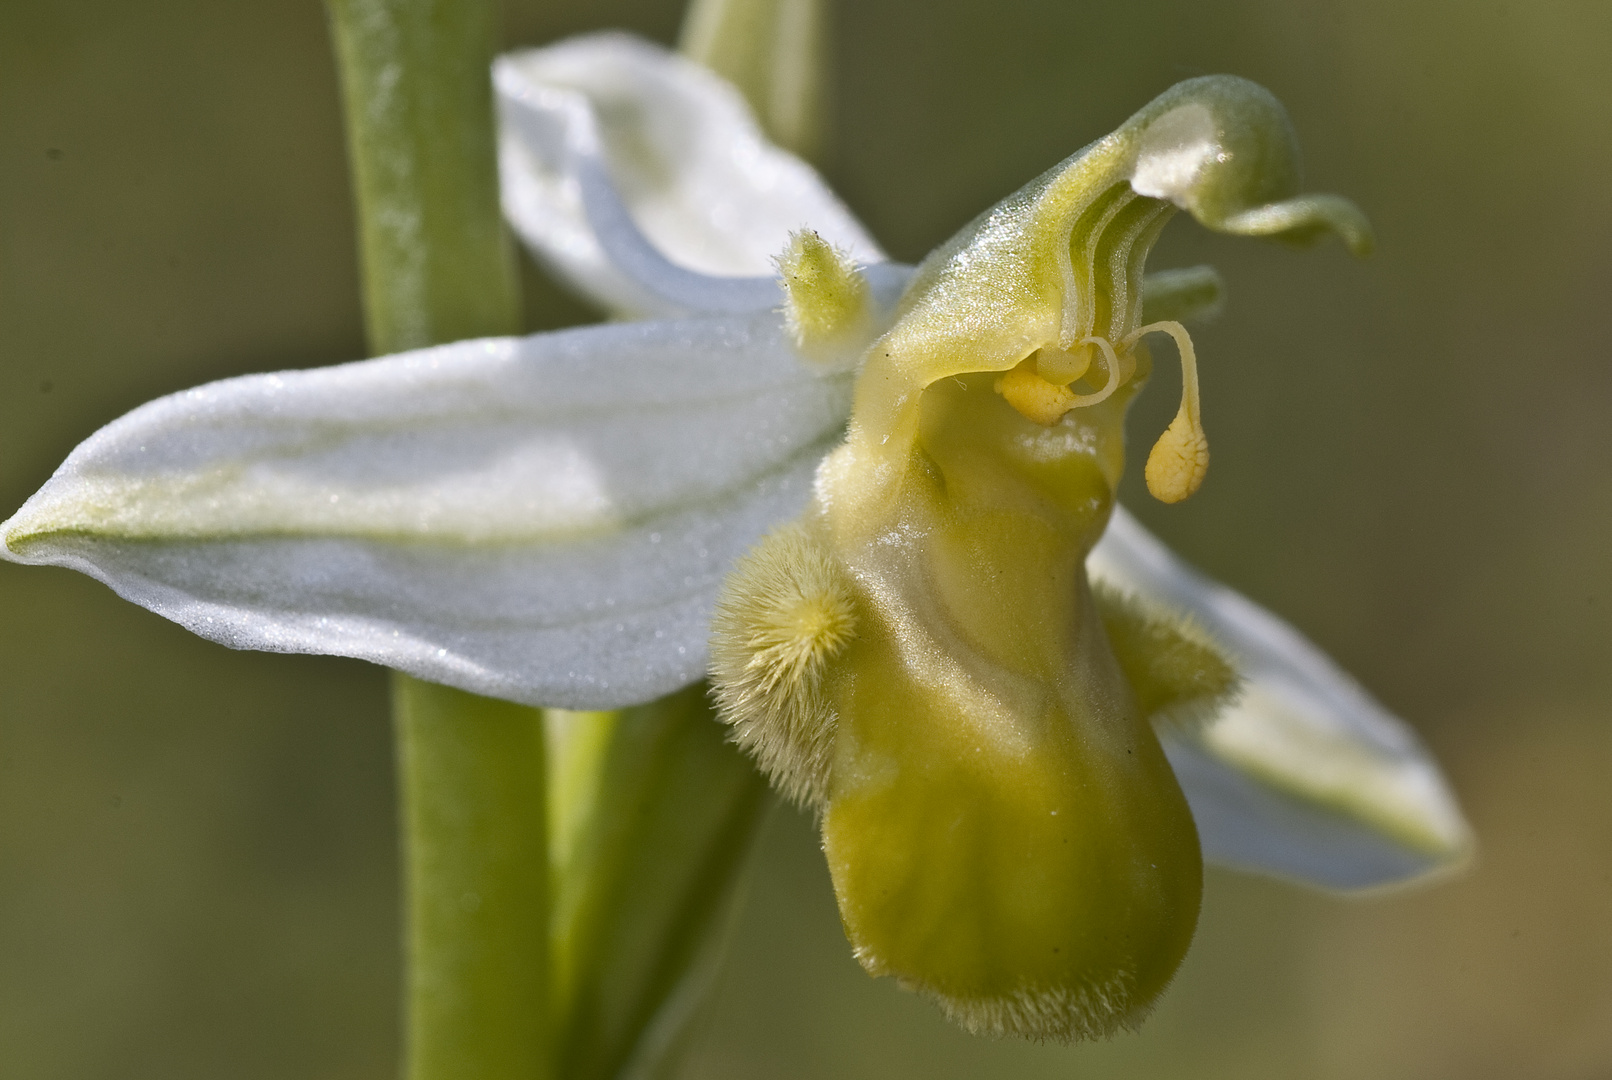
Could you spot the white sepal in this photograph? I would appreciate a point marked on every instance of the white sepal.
(1306, 776)
(544, 519)
(643, 179)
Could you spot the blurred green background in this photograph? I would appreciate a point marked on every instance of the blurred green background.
(1412, 462)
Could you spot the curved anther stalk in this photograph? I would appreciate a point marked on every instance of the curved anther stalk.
(1117, 374)
(1179, 460)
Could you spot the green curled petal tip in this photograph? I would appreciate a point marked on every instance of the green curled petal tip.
(1305, 220)
(1222, 148)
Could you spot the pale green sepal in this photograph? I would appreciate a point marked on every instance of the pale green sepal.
(653, 814)
(1305, 776)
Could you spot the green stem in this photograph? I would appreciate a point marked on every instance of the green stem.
(437, 263)
(437, 267)
(475, 839)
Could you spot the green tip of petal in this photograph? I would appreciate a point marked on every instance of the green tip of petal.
(1223, 149)
(1305, 220)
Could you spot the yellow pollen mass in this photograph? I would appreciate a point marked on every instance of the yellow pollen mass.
(1180, 458)
(1033, 396)
(1032, 389)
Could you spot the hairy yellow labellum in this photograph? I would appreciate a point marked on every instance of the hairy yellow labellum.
(922, 658)
(1002, 827)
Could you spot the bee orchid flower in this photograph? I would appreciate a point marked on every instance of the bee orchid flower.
(874, 502)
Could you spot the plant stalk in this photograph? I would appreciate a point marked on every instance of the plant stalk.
(437, 262)
(472, 774)
(437, 267)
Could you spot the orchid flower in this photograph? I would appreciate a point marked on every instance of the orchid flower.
(888, 487)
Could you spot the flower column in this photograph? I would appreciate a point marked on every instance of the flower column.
(471, 773)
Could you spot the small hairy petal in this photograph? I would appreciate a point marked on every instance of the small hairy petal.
(643, 179)
(785, 611)
(826, 300)
(1305, 776)
(1176, 671)
(544, 519)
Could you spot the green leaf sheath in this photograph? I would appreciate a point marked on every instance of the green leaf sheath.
(475, 838)
(437, 262)
(653, 814)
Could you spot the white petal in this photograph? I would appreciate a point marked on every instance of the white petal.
(543, 519)
(643, 179)
(1306, 777)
